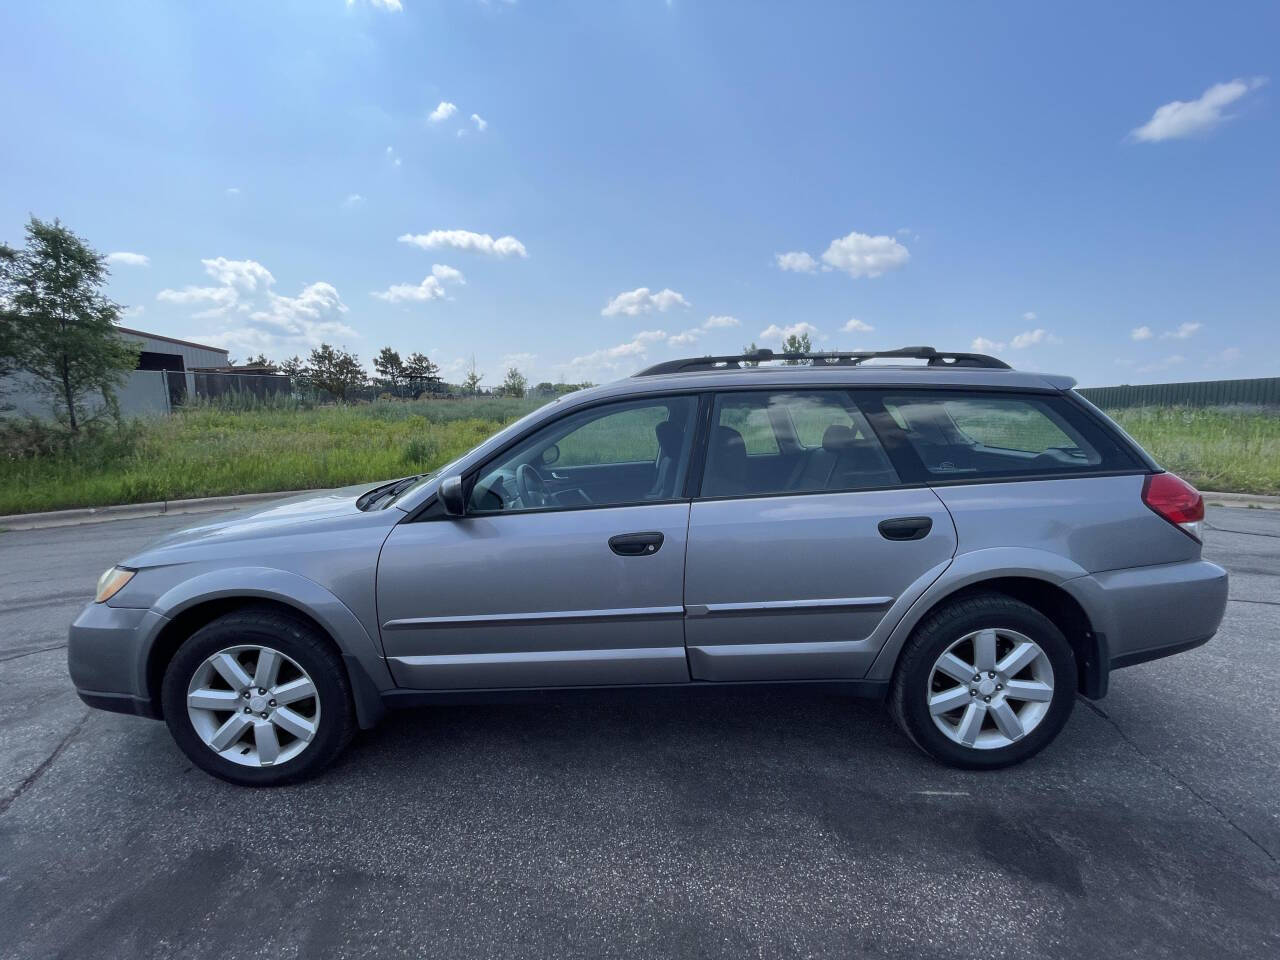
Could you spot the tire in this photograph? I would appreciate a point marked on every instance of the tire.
(308, 732)
(959, 627)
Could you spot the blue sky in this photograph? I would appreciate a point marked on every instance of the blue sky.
(583, 187)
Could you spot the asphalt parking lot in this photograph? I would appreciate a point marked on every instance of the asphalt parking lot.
(735, 826)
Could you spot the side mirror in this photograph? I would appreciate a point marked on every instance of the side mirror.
(549, 455)
(450, 495)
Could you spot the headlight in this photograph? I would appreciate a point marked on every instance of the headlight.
(112, 582)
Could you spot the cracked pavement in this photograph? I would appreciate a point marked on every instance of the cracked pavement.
(748, 824)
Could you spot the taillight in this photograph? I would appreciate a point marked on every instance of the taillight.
(1176, 500)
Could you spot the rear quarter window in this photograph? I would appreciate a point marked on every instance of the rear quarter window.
(972, 436)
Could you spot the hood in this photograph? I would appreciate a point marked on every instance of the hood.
(292, 515)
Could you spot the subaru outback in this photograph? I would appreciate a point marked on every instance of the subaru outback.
(971, 544)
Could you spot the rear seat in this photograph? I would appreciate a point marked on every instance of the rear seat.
(842, 462)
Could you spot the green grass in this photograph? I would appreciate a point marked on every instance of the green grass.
(1226, 449)
(209, 451)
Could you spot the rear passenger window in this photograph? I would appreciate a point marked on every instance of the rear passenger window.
(784, 442)
(972, 436)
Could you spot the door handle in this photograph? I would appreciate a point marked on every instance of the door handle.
(906, 528)
(636, 544)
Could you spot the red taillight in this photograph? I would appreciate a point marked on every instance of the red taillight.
(1176, 500)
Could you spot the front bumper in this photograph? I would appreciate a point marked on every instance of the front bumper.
(1155, 611)
(107, 656)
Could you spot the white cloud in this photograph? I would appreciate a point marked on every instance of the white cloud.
(983, 345)
(127, 259)
(1183, 331)
(393, 6)
(1225, 357)
(1029, 316)
(134, 311)
(517, 360)
(775, 332)
(797, 261)
(442, 112)
(1031, 337)
(481, 123)
(243, 274)
(431, 287)
(232, 191)
(632, 303)
(353, 200)
(611, 358)
(721, 321)
(448, 274)
(685, 337)
(857, 326)
(466, 240)
(860, 255)
(393, 156)
(220, 296)
(1141, 333)
(1189, 118)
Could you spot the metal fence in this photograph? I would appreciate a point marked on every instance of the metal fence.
(1263, 392)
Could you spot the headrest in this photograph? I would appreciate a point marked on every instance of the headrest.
(669, 437)
(728, 438)
(837, 438)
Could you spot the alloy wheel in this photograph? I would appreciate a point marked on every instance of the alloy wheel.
(253, 705)
(990, 688)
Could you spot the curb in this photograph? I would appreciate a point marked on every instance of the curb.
(132, 511)
(1254, 500)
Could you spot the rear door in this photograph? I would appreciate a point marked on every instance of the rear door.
(801, 540)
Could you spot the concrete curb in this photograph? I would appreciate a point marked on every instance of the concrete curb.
(1256, 501)
(131, 511)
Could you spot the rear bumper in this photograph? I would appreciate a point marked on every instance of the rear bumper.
(107, 657)
(1156, 611)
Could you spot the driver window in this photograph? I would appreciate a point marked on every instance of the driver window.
(630, 452)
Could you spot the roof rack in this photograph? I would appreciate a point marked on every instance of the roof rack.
(833, 358)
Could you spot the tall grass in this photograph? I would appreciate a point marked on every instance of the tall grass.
(209, 450)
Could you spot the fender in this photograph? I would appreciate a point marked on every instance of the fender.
(290, 589)
(965, 570)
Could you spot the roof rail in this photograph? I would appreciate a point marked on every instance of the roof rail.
(833, 358)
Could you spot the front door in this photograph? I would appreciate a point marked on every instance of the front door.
(568, 568)
(801, 541)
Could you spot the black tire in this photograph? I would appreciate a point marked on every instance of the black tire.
(909, 691)
(299, 641)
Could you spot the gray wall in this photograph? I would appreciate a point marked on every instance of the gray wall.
(143, 394)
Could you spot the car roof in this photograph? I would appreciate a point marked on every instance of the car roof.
(863, 375)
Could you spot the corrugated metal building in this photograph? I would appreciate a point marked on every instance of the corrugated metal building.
(149, 390)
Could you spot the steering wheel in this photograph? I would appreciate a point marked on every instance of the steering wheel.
(531, 487)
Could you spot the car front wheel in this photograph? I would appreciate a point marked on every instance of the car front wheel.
(984, 682)
(258, 698)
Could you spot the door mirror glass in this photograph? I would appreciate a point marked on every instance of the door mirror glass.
(550, 455)
(451, 498)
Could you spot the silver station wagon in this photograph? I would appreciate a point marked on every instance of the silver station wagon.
(972, 544)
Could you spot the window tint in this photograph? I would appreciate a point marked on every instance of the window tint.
(627, 452)
(971, 436)
(791, 442)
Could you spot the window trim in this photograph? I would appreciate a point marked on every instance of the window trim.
(473, 474)
(851, 393)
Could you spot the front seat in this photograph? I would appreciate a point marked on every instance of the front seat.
(726, 474)
(670, 441)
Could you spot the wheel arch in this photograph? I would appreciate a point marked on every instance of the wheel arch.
(1041, 587)
(193, 604)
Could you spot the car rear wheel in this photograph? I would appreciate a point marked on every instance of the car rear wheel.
(258, 698)
(984, 682)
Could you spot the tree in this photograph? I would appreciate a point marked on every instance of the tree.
(335, 371)
(390, 367)
(63, 329)
(421, 373)
(259, 361)
(471, 382)
(515, 384)
(8, 317)
(796, 345)
(751, 349)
